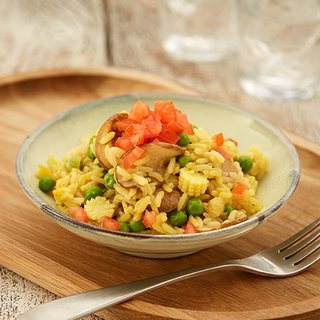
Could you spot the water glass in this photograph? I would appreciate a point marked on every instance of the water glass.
(279, 48)
(198, 30)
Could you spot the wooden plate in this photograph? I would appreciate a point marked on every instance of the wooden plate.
(33, 246)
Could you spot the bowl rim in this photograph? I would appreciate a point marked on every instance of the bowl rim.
(57, 215)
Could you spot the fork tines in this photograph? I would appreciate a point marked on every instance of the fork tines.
(302, 247)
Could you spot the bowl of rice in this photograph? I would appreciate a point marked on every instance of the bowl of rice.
(158, 175)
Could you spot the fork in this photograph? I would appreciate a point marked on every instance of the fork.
(283, 260)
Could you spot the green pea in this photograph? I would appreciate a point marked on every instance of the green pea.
(124, 226)
(184, 139)
(109, 180)
(46, 184)
(183, 160)
(136, 226)
(178, 218)
(194, 206)
(246, 163)
(73, 162)
(92, 192)
(228, 208)
(90, 153)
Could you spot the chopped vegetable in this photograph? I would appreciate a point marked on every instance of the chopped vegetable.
(92, 192)
(184, 139)
(183, 160)
(219, 139)
(124, 143)
(136, 226)
(132, 156)
(109, 180)
(124, 226)
(224, 153)
(195, 206)
(192, 183)
(110, 224)
(239, 188)
(46, 184)
(166, 110)
(169, 137)
(73, 162)
(90, 153)
(246, 163)
(78, 213)
(232, 140)
(143, 125)
(149, 218)
(177, 218)
(139, 111)
(228, 208)
(190, 228)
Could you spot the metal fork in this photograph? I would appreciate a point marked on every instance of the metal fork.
(285, 259)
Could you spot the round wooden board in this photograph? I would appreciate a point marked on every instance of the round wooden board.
(35, 247)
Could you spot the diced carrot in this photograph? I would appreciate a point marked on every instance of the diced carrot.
(110, 224)
(149, 218)
(219, 139)
(239, 188)
(224, 153)
(78, 213)
(190, 228)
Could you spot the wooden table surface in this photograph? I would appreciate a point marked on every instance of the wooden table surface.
(124, 34)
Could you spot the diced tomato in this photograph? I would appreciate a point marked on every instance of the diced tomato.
(122, 125)
(139, 111)
(183, 121)
(190, 228)
(152, 126)
(234, 141)
(110, 224)
(224, 153)
(124, 143)
(149, 218)
(219, 139)
(132, 156)
(136, 133)
(78, 213)
(169, 137)
(166, 110)
(239, 188)
(174, 127)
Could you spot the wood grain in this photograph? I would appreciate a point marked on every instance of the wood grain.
(35, 247)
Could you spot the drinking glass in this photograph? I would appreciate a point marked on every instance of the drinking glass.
(279, 48)
(198, 30)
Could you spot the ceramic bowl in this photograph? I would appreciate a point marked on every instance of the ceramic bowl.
(63, 132)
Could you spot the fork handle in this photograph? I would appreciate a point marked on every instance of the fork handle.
(82, 304)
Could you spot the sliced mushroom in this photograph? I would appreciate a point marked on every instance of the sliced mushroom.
(170, 201)
(157, 156)
(229, 166)
(107, 127)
